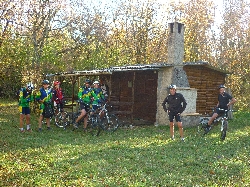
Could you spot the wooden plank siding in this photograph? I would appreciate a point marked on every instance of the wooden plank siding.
(121, 93)
(145, 92)
(134, 94)
(206, 81)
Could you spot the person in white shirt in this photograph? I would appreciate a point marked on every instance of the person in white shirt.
(105, 88)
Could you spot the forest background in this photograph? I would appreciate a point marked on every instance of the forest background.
(47, 36)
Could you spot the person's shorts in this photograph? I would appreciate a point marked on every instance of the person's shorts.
(24, 110)
(173, 116)
(42, 108)
(95, 107)
(219, 112)
(84, 106)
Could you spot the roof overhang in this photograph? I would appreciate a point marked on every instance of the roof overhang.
(112, 69)
(136, 67)
(206, 64)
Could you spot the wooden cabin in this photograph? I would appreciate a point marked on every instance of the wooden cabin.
(138, 91)
(134, 89)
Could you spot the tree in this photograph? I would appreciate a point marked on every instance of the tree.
(198, 18)
(234, 45)
(138, 38)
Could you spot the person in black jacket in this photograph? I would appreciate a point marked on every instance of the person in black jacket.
(176, 105)
(224, 101)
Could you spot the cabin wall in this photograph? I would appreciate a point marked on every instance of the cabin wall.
(141, 93)
(145, 96)
(206, 81)
(136, 91)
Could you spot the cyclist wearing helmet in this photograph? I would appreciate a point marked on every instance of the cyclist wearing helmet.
(44, 97)
(100, 97)
(25, 97)
(224, 101)
(85, 96)
(176, 105)
(57, 95)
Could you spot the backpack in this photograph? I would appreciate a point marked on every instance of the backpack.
(48, 110)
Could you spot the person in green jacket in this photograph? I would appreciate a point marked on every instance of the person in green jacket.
(100, 96)
(85, 96)
(25, 97)
(44, 97)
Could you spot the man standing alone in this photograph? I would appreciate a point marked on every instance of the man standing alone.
(25, 97)
(176, 105)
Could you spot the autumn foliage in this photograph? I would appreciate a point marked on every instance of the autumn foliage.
(40, 37)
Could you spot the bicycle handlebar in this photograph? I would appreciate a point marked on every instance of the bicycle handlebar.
(229, 110)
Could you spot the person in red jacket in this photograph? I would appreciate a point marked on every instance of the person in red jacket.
(57, 96)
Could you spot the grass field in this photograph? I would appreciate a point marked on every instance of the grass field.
(141, 156)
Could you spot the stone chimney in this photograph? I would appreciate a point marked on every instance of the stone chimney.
(176, 53)
(176, 43)
(175, 74)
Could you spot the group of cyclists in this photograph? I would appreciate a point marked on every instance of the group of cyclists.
(89, 95)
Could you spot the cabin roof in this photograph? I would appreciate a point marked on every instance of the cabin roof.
(141, 67)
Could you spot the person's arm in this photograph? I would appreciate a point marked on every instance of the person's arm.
(80, 94)
(21, 97)
(184, 104)
(38, 96)
(101, 97)
(48, 98)
(218, 104)
(218, 101)
(93, 94)
(164, 104)
(54, 97)
(232, 101)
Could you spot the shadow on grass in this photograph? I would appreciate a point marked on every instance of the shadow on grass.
(13, 140)
(140, 156)
(147, 159)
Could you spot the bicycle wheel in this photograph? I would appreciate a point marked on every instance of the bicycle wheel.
(224, 130)
(61, 119)
(201, 128)
(95, 125)
(68, 119)
(110, 123)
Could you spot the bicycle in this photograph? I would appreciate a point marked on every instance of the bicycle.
(94, 123)
(109, 122)
(223, 118)
(62, 118)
